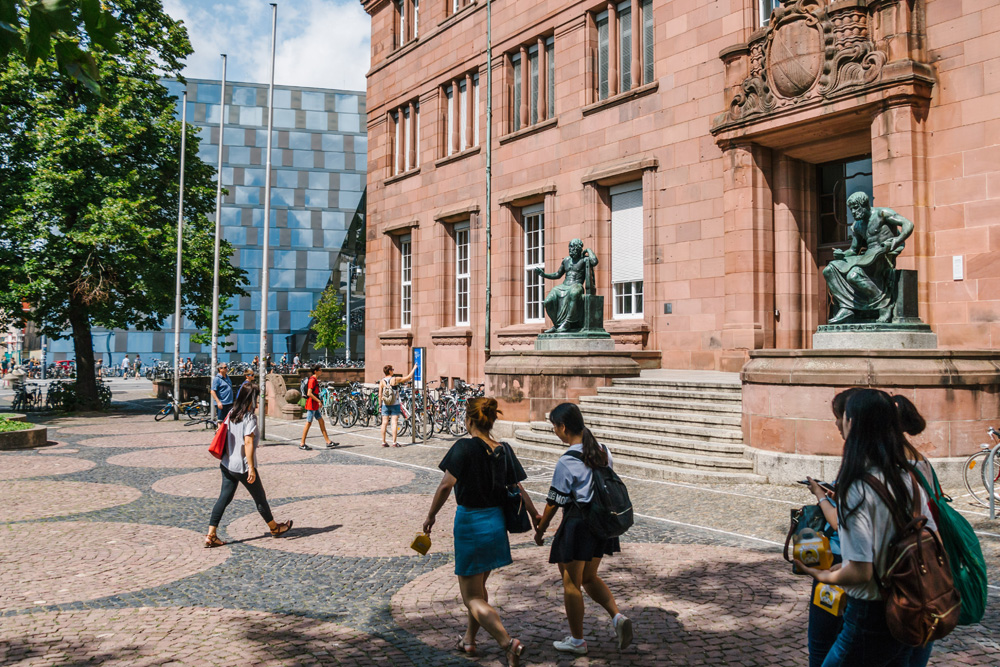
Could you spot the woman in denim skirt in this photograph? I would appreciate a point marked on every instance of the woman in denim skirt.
(479, 469)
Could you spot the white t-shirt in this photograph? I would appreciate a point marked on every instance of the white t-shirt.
(866, 534)
(125, 362)
(234, 458)
(573, 479)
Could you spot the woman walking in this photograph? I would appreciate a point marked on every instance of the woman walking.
(874, 444)
(575, 549)
(239, 466)
(480, 469)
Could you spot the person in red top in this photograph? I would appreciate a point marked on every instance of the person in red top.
(312, 408)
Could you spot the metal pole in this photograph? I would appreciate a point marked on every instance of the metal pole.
(45, 350)
(261, 417)
(347, 333)
(218, 239)
(489, 169)
(180, 246)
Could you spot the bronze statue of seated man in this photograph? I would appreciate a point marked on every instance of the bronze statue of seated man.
(564, 303)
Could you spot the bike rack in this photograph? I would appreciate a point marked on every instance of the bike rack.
(991, 485)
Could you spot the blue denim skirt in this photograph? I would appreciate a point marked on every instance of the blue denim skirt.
(481, 542)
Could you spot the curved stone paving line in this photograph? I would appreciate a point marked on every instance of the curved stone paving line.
(197, 456)
(189, 636)
(199, 436)
(354, 526)
(59, 449)
(128, 426)
(292, 481)
(688, 604)
(23, 500)
(19, 466)
(69, 561)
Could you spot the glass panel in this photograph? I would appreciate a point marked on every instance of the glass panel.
(550, 79)
(516, 112)
(648, 37)
(246, 97)
(625, 48)
(416, 18)
(602, 57)
(345, 103)
(449, 94)
(836, 182)
(534, 257)
(533, 103)
(286, 178)
(475, 110)
(463, 115)
(282, 98)
(313, 101)
(301, 141)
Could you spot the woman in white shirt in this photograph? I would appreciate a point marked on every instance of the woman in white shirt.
(874, 444)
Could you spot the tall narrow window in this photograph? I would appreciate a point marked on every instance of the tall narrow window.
(631, 49)
(461, 121)
(534, 258)
(533, 73)
(603, 55)
(463, 115)
(550, 80)
(515, 61)
(401, 11)
(406, 139)
(462, 274)
(766, 7)
(534, 77)
(475, 110)
(416, 18)
(397, 144)
(627, 249)
(407, 130)
(648, 32)
(406, 281)
(449, 93)
(625, 45)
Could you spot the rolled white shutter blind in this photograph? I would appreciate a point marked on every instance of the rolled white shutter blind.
(626, 233)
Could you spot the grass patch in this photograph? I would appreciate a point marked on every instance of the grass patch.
(7, 425)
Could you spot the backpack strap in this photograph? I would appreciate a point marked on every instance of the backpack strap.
(890, 502)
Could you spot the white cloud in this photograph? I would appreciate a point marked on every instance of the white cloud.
(320, 43)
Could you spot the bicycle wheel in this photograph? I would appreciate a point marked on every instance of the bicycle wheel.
(348, 414)
(975, 476)
(167, 409)
(456, 422)
(425, 426)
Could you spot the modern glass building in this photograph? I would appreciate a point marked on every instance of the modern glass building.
(319, 159)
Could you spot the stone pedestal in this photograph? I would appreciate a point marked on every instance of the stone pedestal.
(787, 394)
(582, 343)
(275, 402)
(874, 337)
(529, 383)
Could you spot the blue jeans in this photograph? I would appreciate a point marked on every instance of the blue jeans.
(823, 630)
(865, 640)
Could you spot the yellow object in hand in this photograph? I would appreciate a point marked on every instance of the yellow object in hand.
(421, 543)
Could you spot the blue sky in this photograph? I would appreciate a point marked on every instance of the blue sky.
(321, 43)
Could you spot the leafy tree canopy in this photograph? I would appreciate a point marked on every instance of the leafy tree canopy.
(328, 319)
(88, 207)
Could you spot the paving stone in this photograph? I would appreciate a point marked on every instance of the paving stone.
(152, 439)
(197, 456)
(292, 481)
(19, 466)
(24, 500)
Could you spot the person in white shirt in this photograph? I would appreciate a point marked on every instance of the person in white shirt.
(126, 364)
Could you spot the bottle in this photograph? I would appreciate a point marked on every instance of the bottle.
(813, 549)
(421, 543)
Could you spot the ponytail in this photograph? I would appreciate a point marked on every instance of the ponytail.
(569, 416)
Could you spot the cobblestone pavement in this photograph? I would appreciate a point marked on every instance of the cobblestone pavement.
(103, 563)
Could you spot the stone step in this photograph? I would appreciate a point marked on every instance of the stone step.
(645, 469)
(664, 393)
(671, 418)
(675, 458)
(697, 386)
(687, 431)
(666, 405)
(656, 441)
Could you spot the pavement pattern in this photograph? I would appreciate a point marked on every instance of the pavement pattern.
(103, 560)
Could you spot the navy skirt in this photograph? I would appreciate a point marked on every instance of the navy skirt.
(481, 542)
(575, 541)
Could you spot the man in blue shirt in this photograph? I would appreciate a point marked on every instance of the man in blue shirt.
(222, 392)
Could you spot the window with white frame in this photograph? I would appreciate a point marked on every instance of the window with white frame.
(462, 274)
(461, 114)
(766, 7)
(627, 249)
(533, 218)
(455, 5)
(406, 28)
(534, 89)
(406, 280)
(624, 48)
(406, 138)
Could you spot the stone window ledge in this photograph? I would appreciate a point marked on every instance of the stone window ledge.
(621, 98)
(628, 334)
(455, 157)
(401, 227)
(399, 177)
(452, 336)
(530, 130)
(395, 338)
(520, 336)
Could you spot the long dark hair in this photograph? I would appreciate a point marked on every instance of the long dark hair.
(568, 416)
(875, 441)
(245, 403)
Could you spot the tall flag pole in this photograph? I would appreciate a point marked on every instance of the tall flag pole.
(180, 247)
(267, 229)
(489, 170)
(218, 239)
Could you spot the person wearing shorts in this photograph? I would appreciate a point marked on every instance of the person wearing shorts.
(392, 410)
(313, 408)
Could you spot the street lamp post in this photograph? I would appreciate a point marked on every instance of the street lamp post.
(264, 274)
(218, 238)
(180, 246)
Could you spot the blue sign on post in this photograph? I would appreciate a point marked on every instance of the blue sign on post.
(418, 363)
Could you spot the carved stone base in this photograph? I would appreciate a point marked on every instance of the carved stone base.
(874, 336)
(581, 342)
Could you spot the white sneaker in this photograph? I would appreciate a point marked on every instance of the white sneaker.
(623, 630)
(567, 646)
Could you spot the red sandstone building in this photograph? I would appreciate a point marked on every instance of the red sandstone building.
(703, 149)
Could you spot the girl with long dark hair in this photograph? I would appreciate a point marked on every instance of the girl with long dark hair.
(575, 549)
(874, 445)
(239, 465)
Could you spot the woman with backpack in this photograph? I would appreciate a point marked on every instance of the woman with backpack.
(874, 445)
(239, 466)
(576, 549)
(480, 469)
(388, 398)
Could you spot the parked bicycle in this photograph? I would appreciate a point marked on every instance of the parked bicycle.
(190, 409)
(977, 475)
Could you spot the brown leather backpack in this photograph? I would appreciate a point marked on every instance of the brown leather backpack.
(921, 602)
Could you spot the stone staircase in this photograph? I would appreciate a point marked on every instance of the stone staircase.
(680, 426)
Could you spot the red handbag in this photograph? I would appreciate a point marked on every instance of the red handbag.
(218, 445)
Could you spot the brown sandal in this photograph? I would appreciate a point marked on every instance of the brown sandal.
(467, 649)
(213, 541)
(513, 652)
(282, 529)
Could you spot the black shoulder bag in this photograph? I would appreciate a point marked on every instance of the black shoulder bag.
(515, 512)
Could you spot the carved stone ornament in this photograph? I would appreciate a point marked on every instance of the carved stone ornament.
(809, 49)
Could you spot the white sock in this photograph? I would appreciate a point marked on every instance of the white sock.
(617, 617)
(576, 642)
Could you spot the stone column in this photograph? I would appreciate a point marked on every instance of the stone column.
(613, 87)
(456, 117)
(543, 76)
(408, 9)
(749, 253)
(525, 87)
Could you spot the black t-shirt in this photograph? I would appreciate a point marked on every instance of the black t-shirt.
(482, 475)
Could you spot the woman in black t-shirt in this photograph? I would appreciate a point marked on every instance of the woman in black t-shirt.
(480, 469)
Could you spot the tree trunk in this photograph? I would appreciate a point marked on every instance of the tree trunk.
(83, 346)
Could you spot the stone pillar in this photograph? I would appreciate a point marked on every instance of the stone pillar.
(456, 117)
(525, 87)
(636, 44)
(408, 9)
(613, 87)
(543, 76)
(749, 253)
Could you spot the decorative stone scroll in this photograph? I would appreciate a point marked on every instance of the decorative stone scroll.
(808, 50)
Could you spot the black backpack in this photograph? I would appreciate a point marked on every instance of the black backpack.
(609, 513)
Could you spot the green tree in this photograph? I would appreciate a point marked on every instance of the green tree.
(37, 29)
(328, 319)
(88, 206)
(226, 322)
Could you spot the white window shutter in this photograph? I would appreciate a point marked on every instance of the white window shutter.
(626, 234)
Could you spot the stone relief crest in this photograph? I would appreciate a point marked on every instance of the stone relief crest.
(809, 49)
